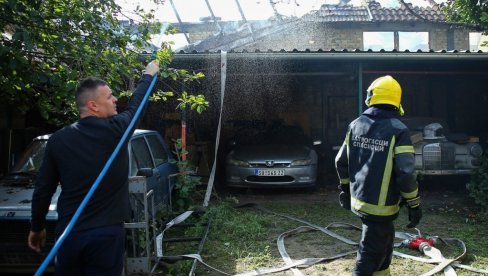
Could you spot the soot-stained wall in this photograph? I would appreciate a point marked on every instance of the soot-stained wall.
(323, 95)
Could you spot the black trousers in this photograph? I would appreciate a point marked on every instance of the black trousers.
(97, 251)
(375, 248)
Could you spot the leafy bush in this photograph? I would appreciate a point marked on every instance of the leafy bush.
(478, 185)
(186, 184)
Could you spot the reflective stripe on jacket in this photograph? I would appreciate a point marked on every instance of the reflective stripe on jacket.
(376, 164)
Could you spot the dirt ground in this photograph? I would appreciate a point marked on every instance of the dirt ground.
(436, 192)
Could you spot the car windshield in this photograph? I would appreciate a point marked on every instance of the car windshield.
(31, 159)
(275, 133)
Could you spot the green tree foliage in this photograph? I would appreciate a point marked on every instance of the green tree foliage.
(469, 11)
(478, 186)
(47, 46)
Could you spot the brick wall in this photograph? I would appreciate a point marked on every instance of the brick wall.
(461, 39)
(333, 38)
(438, 39)
(315, 36)
(195, 37)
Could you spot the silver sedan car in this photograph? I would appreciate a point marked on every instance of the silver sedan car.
(276, 157)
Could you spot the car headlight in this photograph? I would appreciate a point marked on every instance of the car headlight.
(238, 163)
(303, 162)
(476, 150)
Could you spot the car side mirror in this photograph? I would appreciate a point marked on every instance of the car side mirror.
(147, 172)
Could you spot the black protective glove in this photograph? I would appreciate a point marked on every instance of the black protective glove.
(414, 216)
(345, 200)
(414, 211)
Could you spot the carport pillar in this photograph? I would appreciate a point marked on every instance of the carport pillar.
(360, 89)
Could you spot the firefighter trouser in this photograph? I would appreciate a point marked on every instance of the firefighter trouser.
(375, 249)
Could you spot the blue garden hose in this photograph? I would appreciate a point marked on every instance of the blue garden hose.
(95, 185)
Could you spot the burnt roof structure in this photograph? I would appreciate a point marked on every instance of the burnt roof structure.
(371, 16)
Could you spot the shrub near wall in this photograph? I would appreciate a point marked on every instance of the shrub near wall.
(478, 185)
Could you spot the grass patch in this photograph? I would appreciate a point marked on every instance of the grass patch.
(243, 239)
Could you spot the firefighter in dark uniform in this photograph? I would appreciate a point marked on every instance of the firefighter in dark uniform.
(376, 171)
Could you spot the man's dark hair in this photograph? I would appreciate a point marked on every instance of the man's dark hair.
(85, 88)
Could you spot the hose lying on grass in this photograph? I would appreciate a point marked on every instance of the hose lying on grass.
(442, 264)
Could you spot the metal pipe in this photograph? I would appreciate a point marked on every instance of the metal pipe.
(133, 235)
(200, 246)
(276, 13)
(244, 18)
(213, 16)
(240, 11)
(305, 74)
(396, 40)
(427, 72)
(338, 74)
(153, 219)
(179, 20)
(353, 56)
(170, 190)
(366, 5)
(360, 89)
(9, 150)
(146, 218)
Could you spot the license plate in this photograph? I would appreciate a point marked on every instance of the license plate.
(267, 172)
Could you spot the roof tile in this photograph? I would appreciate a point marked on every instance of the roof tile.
(348, 13)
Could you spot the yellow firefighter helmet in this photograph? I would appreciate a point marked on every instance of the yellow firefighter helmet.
(385, 90)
